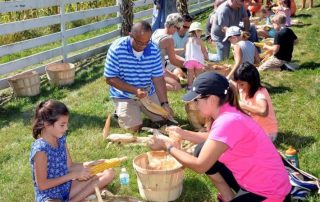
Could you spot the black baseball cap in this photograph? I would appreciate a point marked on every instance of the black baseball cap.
(207, 83)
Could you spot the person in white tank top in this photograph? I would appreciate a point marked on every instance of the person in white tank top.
(244, 50)
(195, 54)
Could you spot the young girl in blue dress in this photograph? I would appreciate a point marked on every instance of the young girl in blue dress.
(55, 176)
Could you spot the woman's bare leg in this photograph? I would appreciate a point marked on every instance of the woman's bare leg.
(82, 189)
(222, 187)
(172, 84)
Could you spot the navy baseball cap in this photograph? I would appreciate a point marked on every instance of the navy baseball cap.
(207, 83)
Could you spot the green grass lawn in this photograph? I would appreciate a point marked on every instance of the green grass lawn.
(295, 95)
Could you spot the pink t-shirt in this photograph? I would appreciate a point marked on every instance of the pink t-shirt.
(269, 122)
(251, 156)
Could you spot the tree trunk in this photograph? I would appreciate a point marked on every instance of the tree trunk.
(182, 7)
(126, 10)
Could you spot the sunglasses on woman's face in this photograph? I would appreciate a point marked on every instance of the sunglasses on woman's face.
(201, 97)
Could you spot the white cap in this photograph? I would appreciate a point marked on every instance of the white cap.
(232, 31)
(195, 26)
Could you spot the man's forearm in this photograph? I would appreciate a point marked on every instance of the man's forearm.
(161, 89)
(121, 85)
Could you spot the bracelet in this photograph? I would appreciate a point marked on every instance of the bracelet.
(163, 103)
(169, 149)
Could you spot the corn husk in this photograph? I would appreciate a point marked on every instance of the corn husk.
(106, 129)
(122, 138)
(154, 108)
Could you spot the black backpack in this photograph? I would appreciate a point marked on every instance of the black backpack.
(302, 182)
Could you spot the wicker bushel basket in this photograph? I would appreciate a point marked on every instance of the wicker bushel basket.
(161, 184)
(60, 74)
(25, 84)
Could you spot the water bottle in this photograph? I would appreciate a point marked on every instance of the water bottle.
(124, 177)
(292, 156)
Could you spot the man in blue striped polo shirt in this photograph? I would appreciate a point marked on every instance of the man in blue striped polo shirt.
(133, 69)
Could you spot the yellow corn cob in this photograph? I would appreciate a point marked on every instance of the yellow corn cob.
(260, 45)
(108, 163)
(154, 108)
(265, 54)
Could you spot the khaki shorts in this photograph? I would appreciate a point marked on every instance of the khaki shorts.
(129, 112)
(272, 63)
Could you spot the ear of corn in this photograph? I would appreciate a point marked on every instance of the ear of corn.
(154, 108)
(265, 55)
(260, 45)
(108, 163)
(106, 128)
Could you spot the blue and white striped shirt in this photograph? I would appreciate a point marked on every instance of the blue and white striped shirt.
(122, 63)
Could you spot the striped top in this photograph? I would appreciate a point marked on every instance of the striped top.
(138, 72)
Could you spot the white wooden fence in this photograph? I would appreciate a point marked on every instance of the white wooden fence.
(65, 52)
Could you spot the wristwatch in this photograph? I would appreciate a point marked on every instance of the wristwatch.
(169, 149)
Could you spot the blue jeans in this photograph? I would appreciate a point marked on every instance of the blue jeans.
(223, 49)
(158, 17)
(253, 34)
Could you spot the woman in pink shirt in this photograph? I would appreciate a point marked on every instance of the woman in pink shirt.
(255, 99)
(236, 152)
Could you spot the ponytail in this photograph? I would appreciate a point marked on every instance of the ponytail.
(232, 98)
(245, 35)
(47, 112)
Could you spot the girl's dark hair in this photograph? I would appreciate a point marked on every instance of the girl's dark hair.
(47, 111)
(232, 98)
(248, 72)
(192, 34)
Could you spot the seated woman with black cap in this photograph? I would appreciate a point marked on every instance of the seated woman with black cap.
(236, 154)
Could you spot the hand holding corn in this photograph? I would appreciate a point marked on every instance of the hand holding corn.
(140, 93)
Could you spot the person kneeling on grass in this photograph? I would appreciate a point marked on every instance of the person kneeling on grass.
(55, 177)
(282, 47)
(255, 99)
(236, 153)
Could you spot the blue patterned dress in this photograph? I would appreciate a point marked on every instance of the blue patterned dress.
(56, 167)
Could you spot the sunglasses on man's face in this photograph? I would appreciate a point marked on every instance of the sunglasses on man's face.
(185, 27)
(141, 43)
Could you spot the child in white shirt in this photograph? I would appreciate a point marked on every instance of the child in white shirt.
(196, 53)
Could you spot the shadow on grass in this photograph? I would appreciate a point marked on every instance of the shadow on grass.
(17, 105)
(195, 190)
(78, 120)
(182, 122)
(293, 139)
(303, 15)
(301, 25)
(310, 65)
(276, 89)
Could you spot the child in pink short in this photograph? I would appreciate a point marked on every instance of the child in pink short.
(196, 52)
